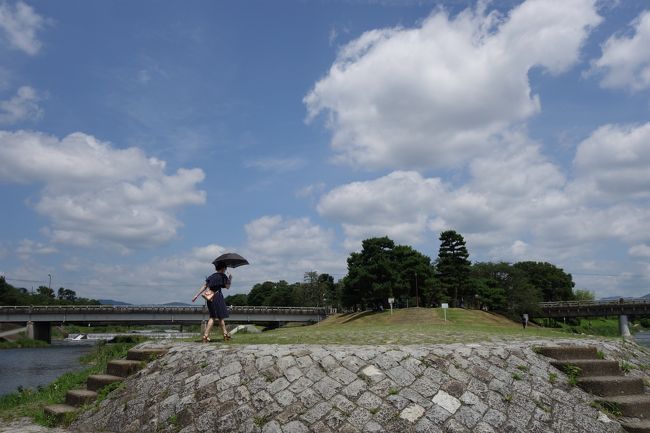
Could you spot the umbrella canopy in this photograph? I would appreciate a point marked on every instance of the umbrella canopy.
(231, 260)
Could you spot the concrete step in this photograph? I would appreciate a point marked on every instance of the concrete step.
(58, 411)
(634, 406)
(96, 382)
(637, 427)
(590, 367)
(145, 354)
(606, 386)
(79, 397)
(123, 367)
(568, 352)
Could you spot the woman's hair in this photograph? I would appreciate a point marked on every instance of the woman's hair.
(219, 265)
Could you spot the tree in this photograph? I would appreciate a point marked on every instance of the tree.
(46, 292)
(66, 295)
(553, 282)
(584, 295)
(415, 276)
(240, 299)
(503, 287)
(371, 275)
(259, 293)
(453, 266)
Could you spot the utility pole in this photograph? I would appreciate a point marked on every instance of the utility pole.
(417, 297)
(49, 286)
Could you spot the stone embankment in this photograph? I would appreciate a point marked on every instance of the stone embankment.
(483, 388)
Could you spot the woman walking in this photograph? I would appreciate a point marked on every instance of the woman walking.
(215, 301)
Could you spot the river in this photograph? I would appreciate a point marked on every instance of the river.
(30, 368)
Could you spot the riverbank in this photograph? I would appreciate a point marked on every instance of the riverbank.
(478, 387)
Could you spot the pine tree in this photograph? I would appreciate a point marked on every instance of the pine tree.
(453, 266)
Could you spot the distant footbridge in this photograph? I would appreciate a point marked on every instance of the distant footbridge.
(39, 319)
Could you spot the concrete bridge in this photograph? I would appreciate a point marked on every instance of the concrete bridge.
(621, 308)
(40, 318)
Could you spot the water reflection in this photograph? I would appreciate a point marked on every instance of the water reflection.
(30, 368)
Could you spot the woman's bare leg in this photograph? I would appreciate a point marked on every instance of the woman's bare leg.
(222, 324)
(208, 327)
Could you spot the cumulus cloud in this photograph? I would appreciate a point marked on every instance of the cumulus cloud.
(285, 248)
(613, 162)
(440, 93)
(277, 248)
(19, 25)
(28, 248)
(94, 192)
(399, 205)
(23, 106)
(625, 62)
(504, 195)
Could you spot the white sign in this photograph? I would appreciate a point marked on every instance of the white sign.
(445, 305)
(391, 300)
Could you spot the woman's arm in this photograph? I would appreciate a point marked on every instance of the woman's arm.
(205, 286)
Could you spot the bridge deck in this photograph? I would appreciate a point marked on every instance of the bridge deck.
(595, 308)
(153, 314)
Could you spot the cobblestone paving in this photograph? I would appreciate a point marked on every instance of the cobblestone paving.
(457, 388)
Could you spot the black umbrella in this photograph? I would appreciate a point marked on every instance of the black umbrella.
(232, 260)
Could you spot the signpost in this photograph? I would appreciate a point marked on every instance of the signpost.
(390, 301)
(444, 308)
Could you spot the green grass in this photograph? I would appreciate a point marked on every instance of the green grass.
(603, 326)
(22, 343)
(404, 326)
(29, 403)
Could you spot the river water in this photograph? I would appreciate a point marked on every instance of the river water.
(29, 368)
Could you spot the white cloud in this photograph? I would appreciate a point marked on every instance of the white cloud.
(95, 192)
(625, 62)
(438, 94)
(640, 250)
(614, 162)
(19, 26)
(276, 164)
(398, 205)
(23, 106)
(276, 247)
(28, 248)
(286, 248)
(310, 190)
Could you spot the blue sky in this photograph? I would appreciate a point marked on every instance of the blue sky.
(139, 140)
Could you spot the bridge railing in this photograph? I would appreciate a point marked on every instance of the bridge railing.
(607, 303)
(118, 309)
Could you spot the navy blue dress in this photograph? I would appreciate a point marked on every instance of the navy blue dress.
(217, 306)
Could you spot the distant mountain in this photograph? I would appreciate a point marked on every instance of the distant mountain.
(168, 304)
(112, 302)
(614, 298)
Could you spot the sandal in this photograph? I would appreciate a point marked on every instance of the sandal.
(226, 337)
(206, 339)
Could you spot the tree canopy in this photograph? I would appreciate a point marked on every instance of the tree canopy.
(453, 267)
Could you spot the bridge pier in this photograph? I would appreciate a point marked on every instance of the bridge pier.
(623, 326)
(39, 331)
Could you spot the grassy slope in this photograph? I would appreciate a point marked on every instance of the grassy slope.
(405, 326)
(30, 403)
